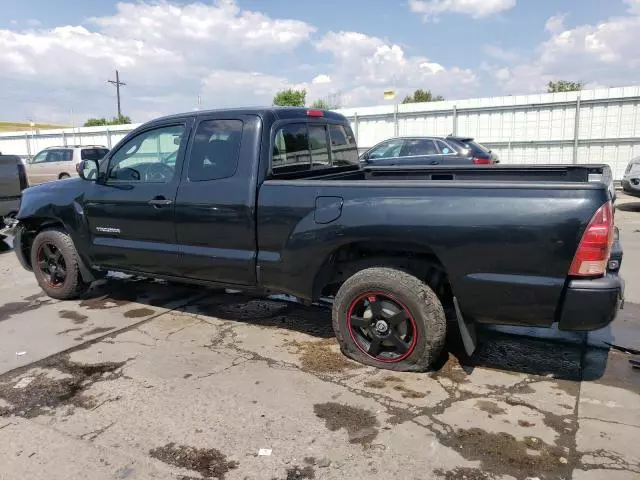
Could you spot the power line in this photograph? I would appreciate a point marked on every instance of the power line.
(117, 83)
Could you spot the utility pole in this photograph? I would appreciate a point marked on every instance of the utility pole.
(117, 83)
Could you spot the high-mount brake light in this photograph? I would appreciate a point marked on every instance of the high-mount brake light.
(315, 113)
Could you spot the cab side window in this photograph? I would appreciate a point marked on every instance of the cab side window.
(216, 150)
(146, 157)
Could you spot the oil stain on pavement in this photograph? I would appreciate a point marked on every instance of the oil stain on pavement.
(54, 383)
(208, 462)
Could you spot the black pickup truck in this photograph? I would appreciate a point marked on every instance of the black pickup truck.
(275, 200)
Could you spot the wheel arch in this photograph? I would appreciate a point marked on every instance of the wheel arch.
(346, 260)
(32, 227)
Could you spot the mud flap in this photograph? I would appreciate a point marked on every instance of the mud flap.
(467, 330)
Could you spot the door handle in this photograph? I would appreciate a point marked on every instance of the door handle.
(435, 162)
(160, 202)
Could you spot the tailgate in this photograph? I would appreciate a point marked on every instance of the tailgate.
(9, 176)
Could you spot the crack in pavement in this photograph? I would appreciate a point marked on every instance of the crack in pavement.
(96, 433)
(225, 341)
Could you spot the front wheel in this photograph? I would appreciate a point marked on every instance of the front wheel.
(55, 263)
(389, 319)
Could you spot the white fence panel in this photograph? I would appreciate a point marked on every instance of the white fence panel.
(523, 129)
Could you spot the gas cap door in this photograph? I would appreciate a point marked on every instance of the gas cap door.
(328, 209)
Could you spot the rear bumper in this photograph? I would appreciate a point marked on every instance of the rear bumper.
(591, 304)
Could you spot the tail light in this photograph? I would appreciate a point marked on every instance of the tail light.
(22, 176)
(315, 113)
(595, 246)
(482, 161)
(78, 167)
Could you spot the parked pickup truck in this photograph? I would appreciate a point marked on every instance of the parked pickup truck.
(275, 200)
(13, 180)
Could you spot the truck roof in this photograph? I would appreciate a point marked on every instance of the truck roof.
(276, 111)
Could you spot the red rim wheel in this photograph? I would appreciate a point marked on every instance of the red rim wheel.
(382, 327)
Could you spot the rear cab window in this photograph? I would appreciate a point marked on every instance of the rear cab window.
(302, 147)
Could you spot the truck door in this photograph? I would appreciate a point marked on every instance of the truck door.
(130, 212)
(215, 204)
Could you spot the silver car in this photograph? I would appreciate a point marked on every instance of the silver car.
(56, 163)
(631, 179)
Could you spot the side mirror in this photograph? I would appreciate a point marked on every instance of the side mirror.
(88, 170)
(365, 157)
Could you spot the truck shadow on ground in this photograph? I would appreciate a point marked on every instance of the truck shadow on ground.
(629, 207)
(540, 355)
(517, 353)
(4, 245)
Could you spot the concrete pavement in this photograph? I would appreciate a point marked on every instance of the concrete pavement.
(142, 380)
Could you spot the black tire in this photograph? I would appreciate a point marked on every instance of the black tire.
(55, 285)
(63, 176)
(423, 333)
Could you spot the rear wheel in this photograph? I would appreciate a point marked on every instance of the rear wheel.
(55, 263)
(389, 319)
(63, 176)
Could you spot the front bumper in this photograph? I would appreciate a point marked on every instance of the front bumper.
(629, 188)
(16, 230)
(592, 304)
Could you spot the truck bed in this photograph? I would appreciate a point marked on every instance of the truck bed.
(506, 235)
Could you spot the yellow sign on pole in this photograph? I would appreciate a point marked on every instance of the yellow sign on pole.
(389, 94)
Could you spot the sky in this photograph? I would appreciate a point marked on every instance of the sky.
(177, 55)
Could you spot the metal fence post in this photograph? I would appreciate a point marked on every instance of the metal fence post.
(26, 140)
(108, 132)
(576, 133)
(455, 120)
(396, 127)
(355, 125)
(64, 138)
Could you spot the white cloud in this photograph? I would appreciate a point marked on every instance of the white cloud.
(634, 5)
(322, 78)
(163, 51)
(503, 74)
(555, 24)
(500, 53)
(474, 8)
(605, 53)
(366, 66)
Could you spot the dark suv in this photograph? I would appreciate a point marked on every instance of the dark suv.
(449, 150)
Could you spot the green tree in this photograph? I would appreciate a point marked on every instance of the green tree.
(95, 122)
(564, 86)
(290, 98)
(422, 96)
(121, 120)
(321, 104)
(98, 122)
